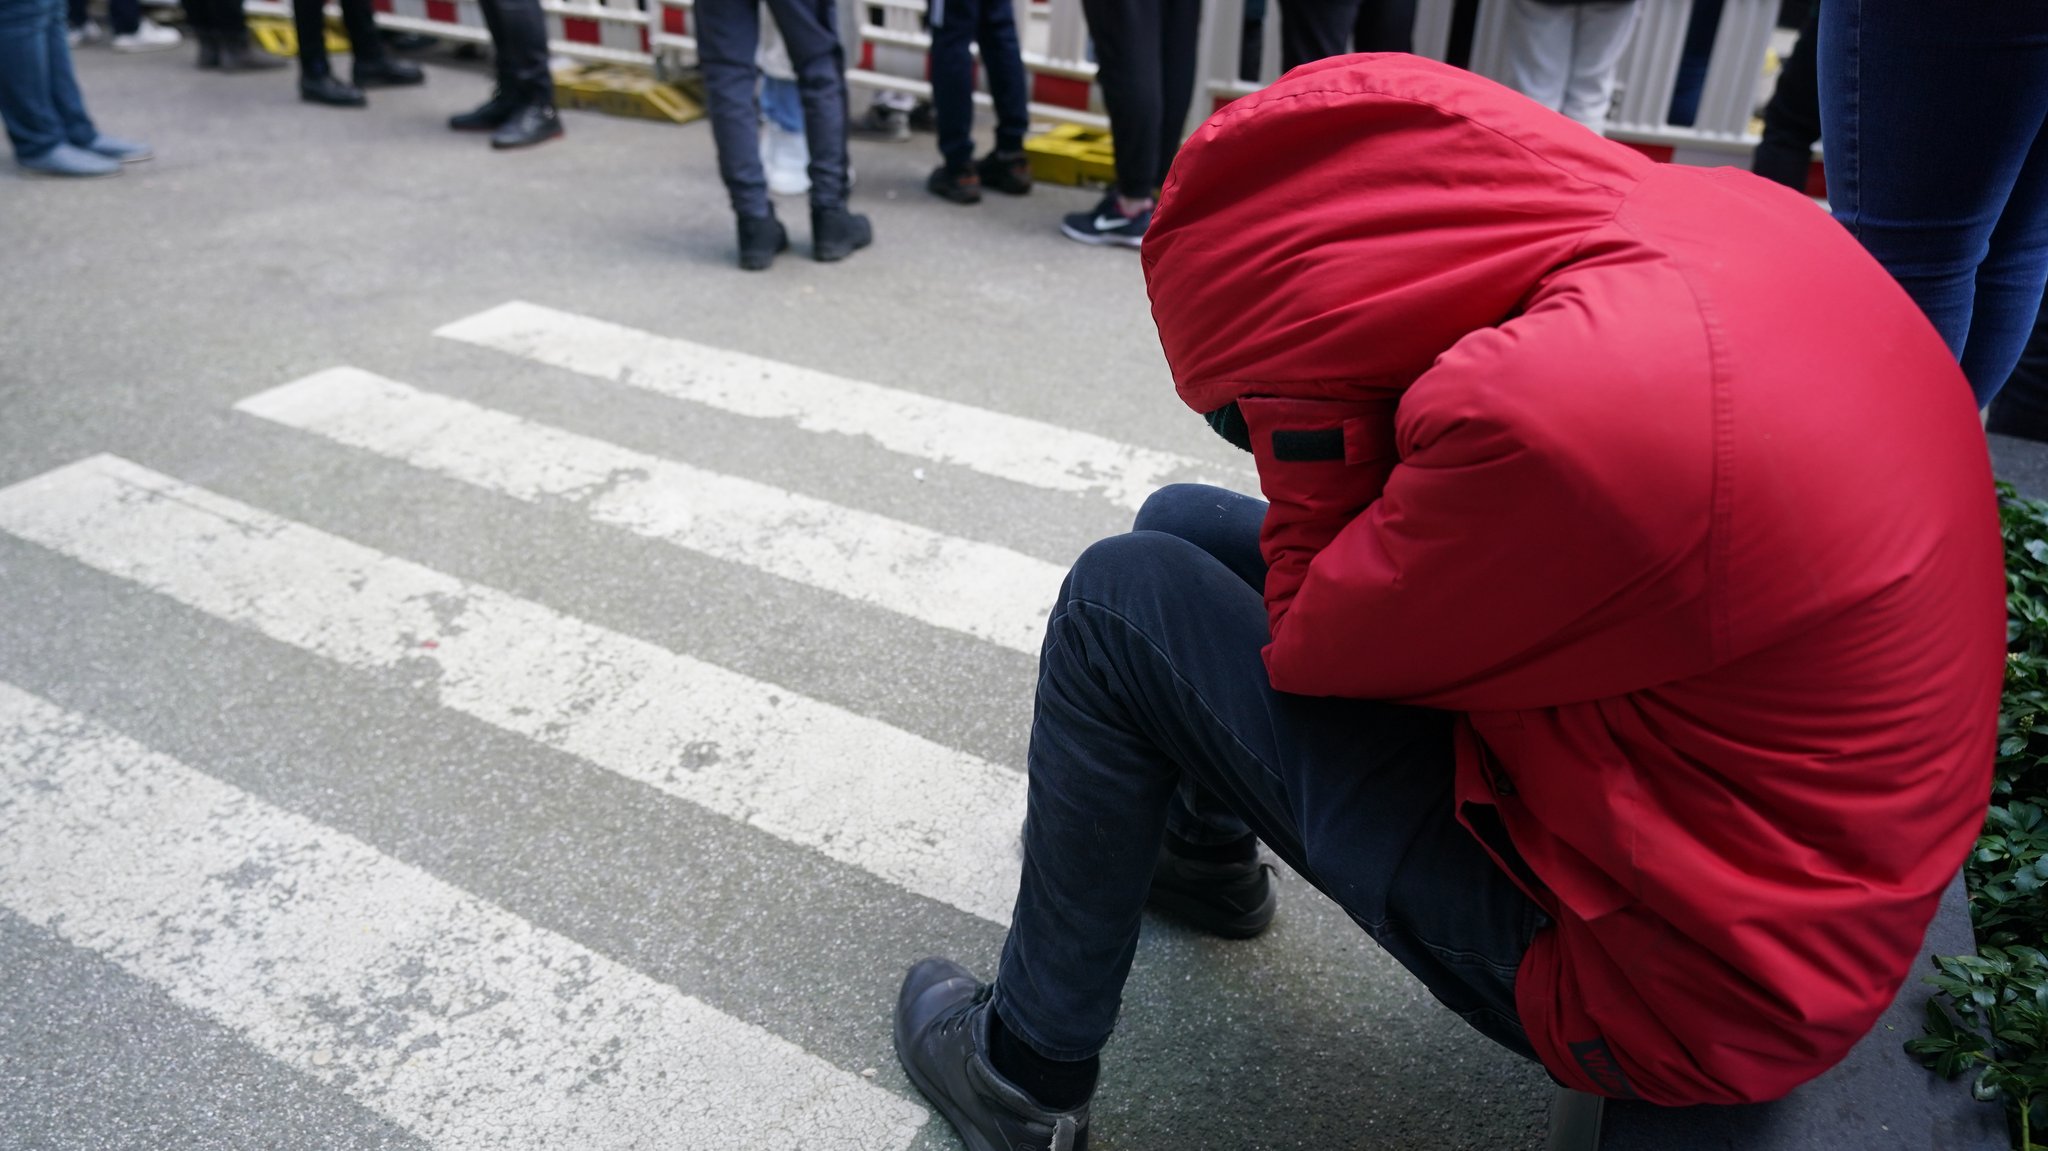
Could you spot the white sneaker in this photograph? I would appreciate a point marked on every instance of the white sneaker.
(90, 32)
(787, 158)
(149, 36)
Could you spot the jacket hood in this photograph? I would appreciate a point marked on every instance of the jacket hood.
(1336, 232)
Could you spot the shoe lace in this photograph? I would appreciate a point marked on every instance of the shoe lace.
(958, 1019)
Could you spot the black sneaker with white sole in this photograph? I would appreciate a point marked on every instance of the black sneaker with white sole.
(1108, 225)
(942, 1017)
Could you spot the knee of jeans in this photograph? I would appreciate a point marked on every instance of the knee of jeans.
(1173, 508)
(1124, 566)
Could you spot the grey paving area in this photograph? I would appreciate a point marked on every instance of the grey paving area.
(271, 240)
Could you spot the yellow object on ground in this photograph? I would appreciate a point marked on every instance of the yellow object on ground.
(620, 91)
(1071, 155)
(279, 38)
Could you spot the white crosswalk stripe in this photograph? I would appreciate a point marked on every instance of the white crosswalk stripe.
(1006, 446)
(989, 592)
(935, 821)
(456, 1019)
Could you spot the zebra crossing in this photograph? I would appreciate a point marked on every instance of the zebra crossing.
(455, 1018)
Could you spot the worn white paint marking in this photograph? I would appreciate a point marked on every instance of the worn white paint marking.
(938, 822)
(456, 1019)
(1010, 447)
(989, 592)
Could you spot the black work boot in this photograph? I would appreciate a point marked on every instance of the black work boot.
(1006, 172)
(1235, 900)
(238, 55)
(488, 116)
(942, 1018)
(761, 237)
(209, 48)
(961, 186)
(532, 123)
(837, 233)
(327, 88)
(385, 72)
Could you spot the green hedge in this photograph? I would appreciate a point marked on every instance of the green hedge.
(1990, 1012)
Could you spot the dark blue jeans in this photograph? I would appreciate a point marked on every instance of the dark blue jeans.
(1154, 710)
(728, 36)
(39, 97)
(1932, 115)
(957, 25)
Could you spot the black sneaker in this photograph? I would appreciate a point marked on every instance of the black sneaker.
(1233, 900)
(488, 116)
(1008, 173)
(959, 187)
(386, 72)
(942, 1018)
(1107, 224)
(761, 237)
(533, 124)
(837, 233)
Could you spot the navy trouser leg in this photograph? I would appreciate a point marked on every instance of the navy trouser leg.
(39, 98)
(1002, 59)
(1151, 676)
(810, 30)
(953, 28)
(728, 35)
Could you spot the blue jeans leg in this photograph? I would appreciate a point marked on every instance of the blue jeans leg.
(782, 103)
(39, 97)
(1151, 676)
(1932, 113)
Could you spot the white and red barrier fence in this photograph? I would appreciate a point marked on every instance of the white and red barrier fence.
(888, 48)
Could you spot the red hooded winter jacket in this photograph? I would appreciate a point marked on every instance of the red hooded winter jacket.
(1657, 478)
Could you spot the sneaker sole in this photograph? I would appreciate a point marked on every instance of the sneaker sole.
(555, 135)
(1098, 240)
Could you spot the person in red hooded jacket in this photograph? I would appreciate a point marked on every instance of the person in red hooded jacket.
(1621, 645)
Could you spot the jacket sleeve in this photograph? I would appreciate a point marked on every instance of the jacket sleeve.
(1542, 539)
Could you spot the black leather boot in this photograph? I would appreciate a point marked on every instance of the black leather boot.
(488, 116)
(327, 88)
(837, 233)
(761, 237)
(531, 124)
(238, 55)
(385, 72)
(209, 48)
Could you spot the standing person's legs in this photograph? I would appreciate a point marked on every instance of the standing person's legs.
(1315, 30)
(1384, 26)
(1792, 118)
(1602, 35)
(1540, 51)
(728, 33)
(1151, 675)
(2012, 276)
(1180, 27)
(1002, 61)
(519, 42)
(27, 103)
(309, 24)
(1128, 67)
(810, 29)
(954, 24)
(124, 17)
(1930, 115)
